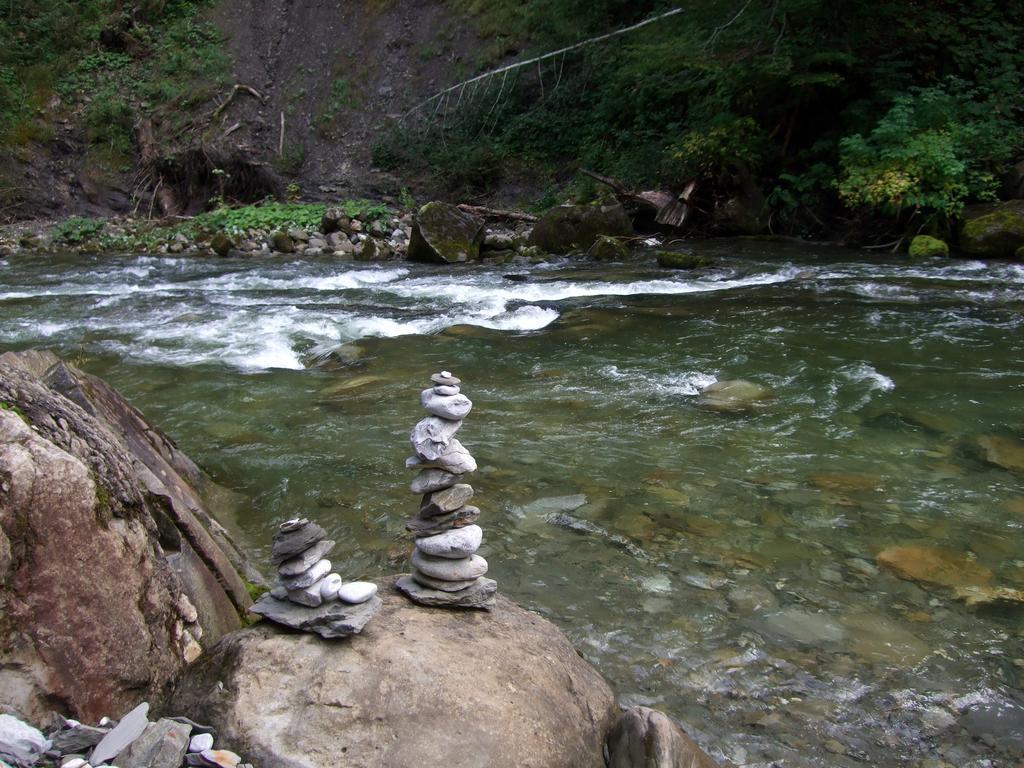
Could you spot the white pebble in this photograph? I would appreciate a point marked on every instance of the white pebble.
(200, 742)
(357, 592)
(330, 586)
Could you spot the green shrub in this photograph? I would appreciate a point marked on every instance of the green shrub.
(77, 230)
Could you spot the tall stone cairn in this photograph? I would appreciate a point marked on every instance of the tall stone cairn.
(446, 571)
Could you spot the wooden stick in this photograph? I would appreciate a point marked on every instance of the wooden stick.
(496, 213)
(234, 92)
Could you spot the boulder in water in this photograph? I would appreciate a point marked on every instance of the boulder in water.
(734, 396)
(415, 688)
(1002, 451)
(647, 738)
(567, 228)
(927, 247)
(993, 230)
(444, 233)
(607, 248)
(933, 565)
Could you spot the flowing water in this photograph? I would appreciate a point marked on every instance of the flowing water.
(719, 566)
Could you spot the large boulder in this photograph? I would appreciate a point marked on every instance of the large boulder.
(993, 230)
(113, 576)
(567, 228)
(417, 687)
(444, 233)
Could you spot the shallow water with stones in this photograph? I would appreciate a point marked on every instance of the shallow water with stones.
(718, 566)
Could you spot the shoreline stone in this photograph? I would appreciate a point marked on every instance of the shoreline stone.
(431, 526)
(329, 620)
(430, 480)
(457, 543)
(471, 567)
(479, 595)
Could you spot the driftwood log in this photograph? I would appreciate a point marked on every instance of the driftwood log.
(668, 209)
(496, 213)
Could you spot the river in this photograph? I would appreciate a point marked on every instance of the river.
(719, 566)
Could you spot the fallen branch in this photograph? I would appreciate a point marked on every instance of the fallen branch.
(537, 59)
(668, 209)
(239, 88)
(496, 213)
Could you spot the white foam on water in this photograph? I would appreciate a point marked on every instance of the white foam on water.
(867, 374)
(687, 383)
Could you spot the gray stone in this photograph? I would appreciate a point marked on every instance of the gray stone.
(480, 595)
(804, 626)
(445, 379)
(330, 586)
(449, 570)
(647, 738)
(201, 742)
(450, 407)
(293, 525)
(331, 619)
(446, 390)
(308, 596)
(431, 437)
(320, 569)
(161, 745)
(456, 460)
(77, 738)
(20, 742)
(454, 544)
(279, 592)
(287, 545)
(443, 233)
(128, 730)
(446, 500)
(196, 727)
(430, 480)
(429, 526)
(998, 723)
(356, 592)
(305, 561)
(444, 586)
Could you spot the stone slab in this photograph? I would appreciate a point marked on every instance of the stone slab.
(329, 620)
(481, 595)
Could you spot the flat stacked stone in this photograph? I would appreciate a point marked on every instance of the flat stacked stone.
(446, 571)
(308, 595)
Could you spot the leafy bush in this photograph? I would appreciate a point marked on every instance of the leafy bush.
(77, 230)
(933, 150)
(270, 216)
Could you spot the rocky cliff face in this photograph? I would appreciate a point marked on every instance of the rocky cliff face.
(112, 576)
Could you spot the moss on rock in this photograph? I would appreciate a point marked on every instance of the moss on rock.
(926, 247)
(607, 248)
(443, 233)
(678, 260)
(994, 231)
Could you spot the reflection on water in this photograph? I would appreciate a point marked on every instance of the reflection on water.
(720, 566)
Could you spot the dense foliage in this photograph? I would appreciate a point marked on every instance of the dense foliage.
(114, 60)
(832, 107)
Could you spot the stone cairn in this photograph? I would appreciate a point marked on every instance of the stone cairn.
(308, 596)
(445, 569)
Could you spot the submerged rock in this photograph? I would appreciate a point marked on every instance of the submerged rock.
(734, 396)
(933, 565)
(444, 233)
(647, 738)
(503, 689)
(682, 260)
(1002, 451)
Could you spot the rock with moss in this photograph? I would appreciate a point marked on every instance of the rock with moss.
(926, 247)
(1019, 253)
(682, 260)
(444, 233)
(607, 248)
(221, 244)
(568, 228)
(993, 230)
(282, 242)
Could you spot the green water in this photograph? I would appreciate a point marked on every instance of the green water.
(718, 566)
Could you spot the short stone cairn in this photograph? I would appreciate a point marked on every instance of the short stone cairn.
(308, 596)
(446, 571)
